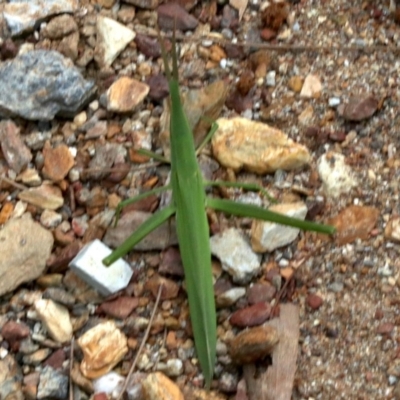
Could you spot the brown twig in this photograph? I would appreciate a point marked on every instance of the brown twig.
(71, 363)
(12, 183)
(144, 340)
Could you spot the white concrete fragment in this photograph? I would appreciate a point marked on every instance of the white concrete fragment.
(268, 236)
(89, 267)
(236, 255)
(337, 177)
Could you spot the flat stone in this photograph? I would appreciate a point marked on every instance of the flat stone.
(60, 26)
(119, 308)
(126, 94)
(173, 16)
(354, 222)
(45, 196)
(56, 319)
(359, 108)
(170, 288)
(57, 162)
(89, 267)
(10, 379)
(253, 344)
(159, 239)
(392, 229)
(103, 347)
(251, 316)
(106, 155)
(268, 236)
(146, 4)
(201, 106)
(236, 256)
(337, 177)
(16, 153)
(260, 292)
(230, 297)
(53, 384)
(240, 143)
(40, 84)
(13, 332)
(312, 87)
(156, 386)
(24, 248)
(112, 38)
(37, 357)
(24, 16)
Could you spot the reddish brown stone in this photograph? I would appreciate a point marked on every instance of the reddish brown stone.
(119, 308)
(59, 260)
(251, 316)
(260, 292)
(13, 332)
(267, 34)
(314, 301)
(359, 108)
(173, 16)
(253, 344)
(57, 162)
(171, 263)
(56, 360)
(385, 328)
(170, 288)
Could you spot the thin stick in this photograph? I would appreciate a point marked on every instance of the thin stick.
(144, 340)
(71, 362)
(12, 183)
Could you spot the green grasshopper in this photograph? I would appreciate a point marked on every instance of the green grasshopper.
(189, 204)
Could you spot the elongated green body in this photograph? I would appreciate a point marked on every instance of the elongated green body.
(193, 233)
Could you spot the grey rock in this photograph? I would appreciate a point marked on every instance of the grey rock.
(106, 156)
(25, 15)
(60, 296)
(24, 248)
(14, 150)
(10, 379)
(40, 84)
(52, 384)
(159, 239)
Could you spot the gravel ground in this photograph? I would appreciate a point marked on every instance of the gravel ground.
(347, 289)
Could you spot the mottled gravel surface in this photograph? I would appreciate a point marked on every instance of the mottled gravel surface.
(326, 73)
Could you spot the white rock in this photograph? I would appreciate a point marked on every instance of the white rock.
(50, 219)
(108, 383)
(312, 87)
(112, 38)
(173, 367)
(56, 319)
(236, 255)
(89, 267)
(268, 236)
(230, 297)
(337, 177)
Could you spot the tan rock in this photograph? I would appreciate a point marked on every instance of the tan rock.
(240, 143)
(57, 162)
(125, 94)
(354, 222)
(56, 319)
(312, 87)
(158, 387)
(103, 347)
(295, 83)
(392, 229)
(253, 344)
(24, 248)
(45, 196)
(201, 106)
